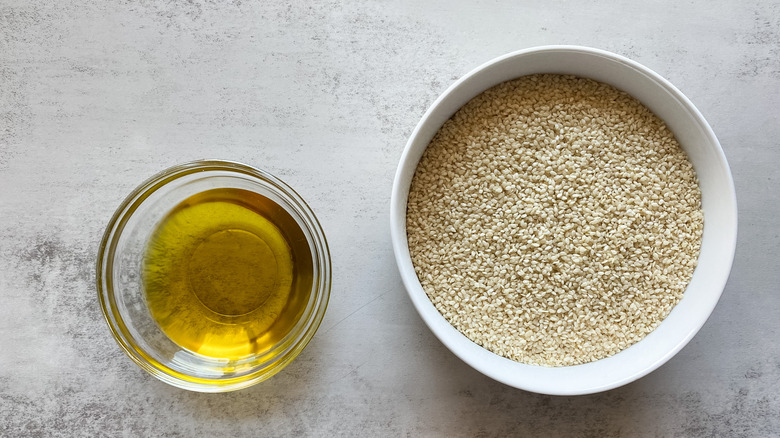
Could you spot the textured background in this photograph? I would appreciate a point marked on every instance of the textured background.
(96, 96)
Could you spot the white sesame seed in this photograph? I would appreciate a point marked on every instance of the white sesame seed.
(554, 220)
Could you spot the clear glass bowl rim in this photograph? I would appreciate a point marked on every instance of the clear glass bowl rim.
(106, 254)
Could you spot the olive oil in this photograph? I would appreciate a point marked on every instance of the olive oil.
(227, 273)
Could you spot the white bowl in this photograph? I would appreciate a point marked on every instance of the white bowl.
(718, 204)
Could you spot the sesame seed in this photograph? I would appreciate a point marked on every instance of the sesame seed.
(554, 220)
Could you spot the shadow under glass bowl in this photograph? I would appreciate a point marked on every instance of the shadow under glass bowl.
(120, 284)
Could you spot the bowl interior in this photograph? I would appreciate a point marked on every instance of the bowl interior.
(718, 205)
(121, 288)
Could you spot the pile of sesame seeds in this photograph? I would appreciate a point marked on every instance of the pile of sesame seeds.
(554, 220)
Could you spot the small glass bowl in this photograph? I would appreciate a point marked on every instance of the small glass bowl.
(121, 291)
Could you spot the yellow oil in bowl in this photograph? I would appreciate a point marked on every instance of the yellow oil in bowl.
(227, 273)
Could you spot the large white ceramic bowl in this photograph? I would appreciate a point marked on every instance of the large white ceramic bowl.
(718, 203)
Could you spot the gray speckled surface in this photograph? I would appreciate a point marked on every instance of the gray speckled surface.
(96, 96)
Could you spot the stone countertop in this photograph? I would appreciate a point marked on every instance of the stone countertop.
(96, 96)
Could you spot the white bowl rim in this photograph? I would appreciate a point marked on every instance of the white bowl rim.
(528, 377)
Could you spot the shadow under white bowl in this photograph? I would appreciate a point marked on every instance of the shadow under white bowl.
(719, 206)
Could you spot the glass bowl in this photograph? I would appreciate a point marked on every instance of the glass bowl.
(122, 288)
